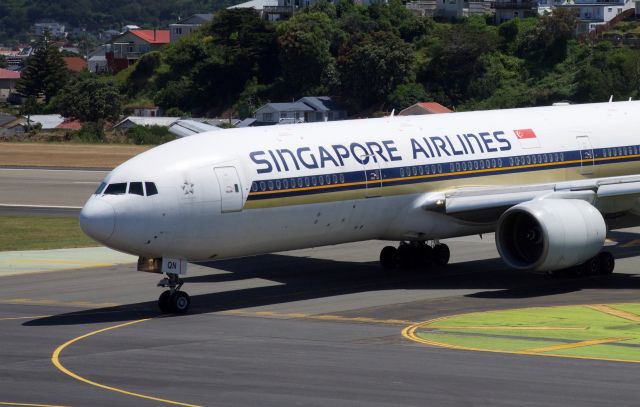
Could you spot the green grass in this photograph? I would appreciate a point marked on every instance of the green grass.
(41, 232)
(491, 331)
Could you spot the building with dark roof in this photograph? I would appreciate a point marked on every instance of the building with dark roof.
(305, 110)
(187, 25)
(128, 47)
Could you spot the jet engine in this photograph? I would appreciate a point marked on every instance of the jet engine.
(550, 234)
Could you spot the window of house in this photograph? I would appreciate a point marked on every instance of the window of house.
(178, 30)
(267, 117)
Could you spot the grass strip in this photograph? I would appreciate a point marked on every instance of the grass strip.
(41, 233)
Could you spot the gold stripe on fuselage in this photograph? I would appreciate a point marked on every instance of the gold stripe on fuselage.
(602, 168)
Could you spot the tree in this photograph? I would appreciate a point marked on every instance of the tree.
(45, 72)
(305, 52)
(3, 61)
(90, 99)
(372, 66)
(406, 95)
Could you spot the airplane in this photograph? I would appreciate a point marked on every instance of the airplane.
(549, 181)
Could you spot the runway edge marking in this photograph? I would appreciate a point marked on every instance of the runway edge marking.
(409, 333)
(55, 359)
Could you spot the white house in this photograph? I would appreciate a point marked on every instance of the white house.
(187, 26)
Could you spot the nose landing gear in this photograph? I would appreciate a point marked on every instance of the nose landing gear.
(173, 300)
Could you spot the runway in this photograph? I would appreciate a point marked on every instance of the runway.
(316, 327)
(46, 191)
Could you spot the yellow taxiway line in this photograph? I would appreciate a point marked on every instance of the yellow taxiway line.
(6, 403)
(55, 359)
(575, 345)
(615, 312)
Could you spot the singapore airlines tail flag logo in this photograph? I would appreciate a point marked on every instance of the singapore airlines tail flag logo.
(527, 138)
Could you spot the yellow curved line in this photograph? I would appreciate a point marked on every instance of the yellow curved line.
(55, 359)
(410, 333)
(6, 403)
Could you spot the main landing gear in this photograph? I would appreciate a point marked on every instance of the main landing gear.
(173, 300)
(601, 264)
(415, 254)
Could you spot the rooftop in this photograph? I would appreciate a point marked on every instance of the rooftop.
(7, 74)
(152, 36)
(75, 64)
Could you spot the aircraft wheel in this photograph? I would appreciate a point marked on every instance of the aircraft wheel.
(607, 262)
(592, 266)
(164, 302)
(406, 256)
(426, 254)
(388, 257)
(180, 302)
(441, 254)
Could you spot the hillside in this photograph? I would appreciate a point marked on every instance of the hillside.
(18, 16)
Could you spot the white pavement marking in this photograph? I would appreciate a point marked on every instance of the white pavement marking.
(38, 206)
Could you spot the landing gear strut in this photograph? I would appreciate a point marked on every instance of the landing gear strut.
(173, 300)
(415, 254)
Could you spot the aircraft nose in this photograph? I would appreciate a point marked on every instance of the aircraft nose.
(98, 219)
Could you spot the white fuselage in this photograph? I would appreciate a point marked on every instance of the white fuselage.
(248, 191)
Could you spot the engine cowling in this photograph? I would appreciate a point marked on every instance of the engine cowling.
(550, 234)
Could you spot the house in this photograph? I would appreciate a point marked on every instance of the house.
(8, 82)
(508, 9)
(97, 60)
(56, 29)
(144, 110)
(10, 125)
(15, 57)
(595, 13)
(185, 128)
(131, 121)
(257, 5)
(47, 121)
(75, 64)
(128, 47)
(424, 108)
(306, 109)
(186, 26)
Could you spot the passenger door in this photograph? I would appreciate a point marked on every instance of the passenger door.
(586, 155)
(231, 198)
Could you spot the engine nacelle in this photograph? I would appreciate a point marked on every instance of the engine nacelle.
(550, 234)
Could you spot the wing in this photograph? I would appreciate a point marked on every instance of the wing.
(486, 204)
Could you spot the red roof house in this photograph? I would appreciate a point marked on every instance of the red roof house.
(128, 47)
(424, 108)
(75, 64)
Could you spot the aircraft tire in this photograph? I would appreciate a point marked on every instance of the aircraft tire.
(441, 254)
(164, 302)
(607, 263)
(180, 302)
(426, 254)
(592, 266)
(406, 256)
(389, 257)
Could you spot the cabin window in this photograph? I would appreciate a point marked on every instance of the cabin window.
(464, 166)
(624, 150)
(510, 162)
(278, 184)
(635, 149)
(270, 184)
(402, 172)
(475, 165)
(493, 163)
(426, 169)
(116, 189)
(487, 164)
(300, 182)
(414, 171)
(457, 167)
(314, 181)
(335, 178)
(101, 188)
(254, 186)
(528, 160)
(439, 169)
(263, 186)
(619, 150)
(533, 159)
(321, 180)
(342, 178)
(452, 167)
(420, 170)
(136, 188)
(561, 156)
(307, 181)
(285, 183)
(408, 171)
(328, 179)
(557, 157)
(481, 164)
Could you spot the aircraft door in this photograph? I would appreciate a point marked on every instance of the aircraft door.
(586, 155)
(230, 189)
(372, 176)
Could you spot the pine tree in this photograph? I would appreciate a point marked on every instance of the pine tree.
(45, 72)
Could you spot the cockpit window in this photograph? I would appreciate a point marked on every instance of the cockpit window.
(101, 188)
(116, 189)
(151, 188)
(136, 188)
